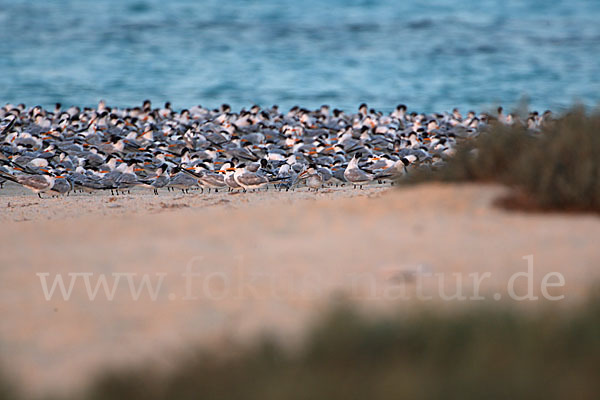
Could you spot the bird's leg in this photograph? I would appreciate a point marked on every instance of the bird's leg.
(39, 195)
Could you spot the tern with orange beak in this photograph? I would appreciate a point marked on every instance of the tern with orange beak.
(251, 176)
(211, 180)
(182, 180)
(229, 179)
(38, 183)
(314, 179)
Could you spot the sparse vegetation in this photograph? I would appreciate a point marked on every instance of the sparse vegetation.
(482, 352)
(557, 168)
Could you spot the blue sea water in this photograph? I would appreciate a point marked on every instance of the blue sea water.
(431, 55)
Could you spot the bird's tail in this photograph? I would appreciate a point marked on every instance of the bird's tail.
(8, 176)
(192, 173)
(271, 180)
(383, 175)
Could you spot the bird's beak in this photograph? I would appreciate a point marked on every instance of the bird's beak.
(138, 169)
(230, 169)
(302, 173)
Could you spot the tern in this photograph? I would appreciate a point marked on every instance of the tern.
(252, 176)
(36, 183)
(160, 180)
(354, 174)
(211, 180)
(182, 180)
(229, 179)
(314, 178)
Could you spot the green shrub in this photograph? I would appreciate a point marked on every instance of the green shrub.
(556, 168)
(483, 352)
(479, 352)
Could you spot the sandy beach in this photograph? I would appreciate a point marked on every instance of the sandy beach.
(264, 262)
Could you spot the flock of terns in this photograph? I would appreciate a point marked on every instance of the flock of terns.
(59, 151)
